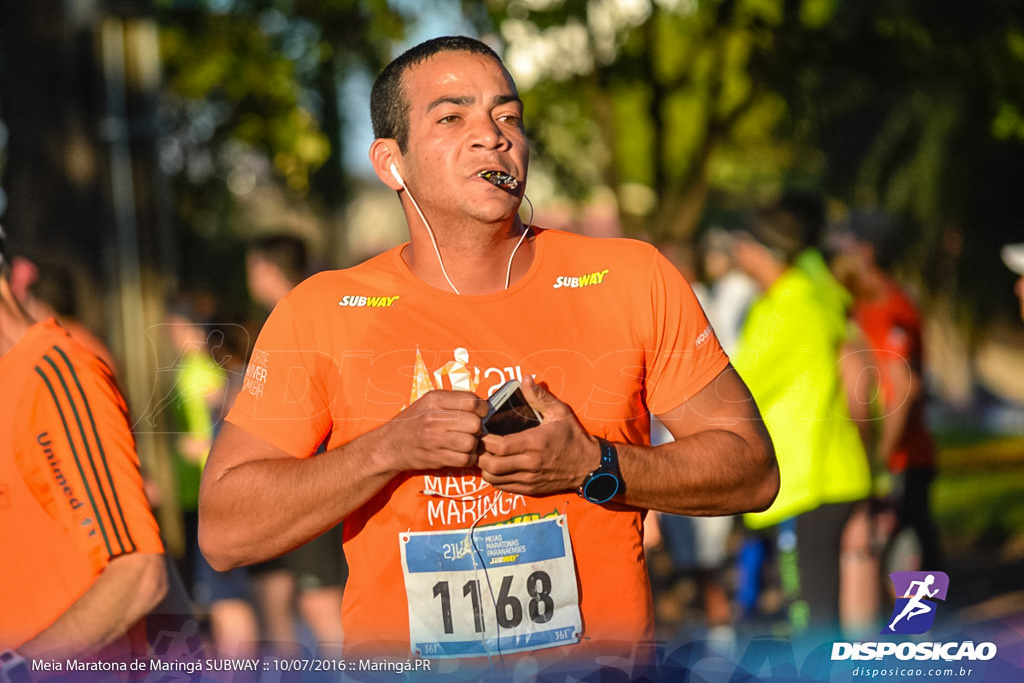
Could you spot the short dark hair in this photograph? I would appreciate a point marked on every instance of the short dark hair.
(808, 207)
(389, 107)
(779, 229)
(285, 251)
(879, 230)
(55, 285)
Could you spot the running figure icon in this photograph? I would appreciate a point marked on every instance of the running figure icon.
(915, 606)
(916, 603)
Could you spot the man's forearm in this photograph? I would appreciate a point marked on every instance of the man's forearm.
(127, 589)
(257, 502)
(721, 462)
(263, 508)
(716, 472)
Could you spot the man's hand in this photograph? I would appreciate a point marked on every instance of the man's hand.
(439, 430)
(720, 463)
(257, 502)
(555, 456)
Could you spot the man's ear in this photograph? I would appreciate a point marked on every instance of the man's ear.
(385, 160)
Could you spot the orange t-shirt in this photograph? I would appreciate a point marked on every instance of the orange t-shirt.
(609, 325)
(71, 495)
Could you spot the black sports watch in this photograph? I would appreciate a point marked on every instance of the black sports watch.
(605, 482)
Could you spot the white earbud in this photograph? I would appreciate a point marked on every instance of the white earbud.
(396, 174)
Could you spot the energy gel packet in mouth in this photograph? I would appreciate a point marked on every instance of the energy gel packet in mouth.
(500, 179)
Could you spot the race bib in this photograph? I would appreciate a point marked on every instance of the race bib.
(489, 591)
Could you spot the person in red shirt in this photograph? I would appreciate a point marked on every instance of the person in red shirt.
(463, 545)
(867, 248)
(83, 559)
(1013, 257)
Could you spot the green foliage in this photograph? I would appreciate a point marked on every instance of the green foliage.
(267, 71)
(912, 106)
(978, 507)
(232, 62)
(673, 105)
(663, 90)
(252, 111)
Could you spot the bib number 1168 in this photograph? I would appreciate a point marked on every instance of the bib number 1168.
(508, 609)
(496, 590)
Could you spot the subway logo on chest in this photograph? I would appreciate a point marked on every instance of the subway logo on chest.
(584, 280)
(360, 301)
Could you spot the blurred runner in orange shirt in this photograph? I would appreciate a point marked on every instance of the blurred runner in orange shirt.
(47, 290)
(83, 560)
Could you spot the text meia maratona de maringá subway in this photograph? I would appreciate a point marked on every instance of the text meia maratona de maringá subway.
(189, 666)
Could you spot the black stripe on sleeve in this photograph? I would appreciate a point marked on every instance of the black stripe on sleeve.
(78, 462)
(131, 547)
(89, 454)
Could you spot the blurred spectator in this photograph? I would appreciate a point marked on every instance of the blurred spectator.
(274, 264)
(858, 569)
(83, 560)
(698, 549)
(315, 573)
(47, 290)
(866, 250)
(729, 291)
(808, 209)
(698, 546)
(196, 396)
(789, 356)
(1013, 257)
(197, 401)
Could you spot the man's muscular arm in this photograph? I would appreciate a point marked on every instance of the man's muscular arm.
(721, 462)
(257, 502)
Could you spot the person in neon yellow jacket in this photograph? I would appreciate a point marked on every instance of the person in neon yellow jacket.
(789, 355)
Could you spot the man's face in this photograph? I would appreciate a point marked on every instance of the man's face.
(465, 117)
(748, 254)
(851, 262)
(262, 278)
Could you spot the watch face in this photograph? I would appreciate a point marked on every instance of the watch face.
(601, 488)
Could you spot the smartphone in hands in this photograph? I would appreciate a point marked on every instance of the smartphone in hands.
(508, 412)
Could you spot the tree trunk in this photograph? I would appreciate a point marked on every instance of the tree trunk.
(54, 174)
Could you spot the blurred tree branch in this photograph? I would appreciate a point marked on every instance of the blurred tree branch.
(912, 106)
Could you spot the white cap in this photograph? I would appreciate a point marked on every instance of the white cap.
(1013, 257)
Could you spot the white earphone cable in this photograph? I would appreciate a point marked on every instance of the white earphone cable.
(433, 240)
(437, 251)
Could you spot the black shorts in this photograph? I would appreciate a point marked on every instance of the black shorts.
(317, 564)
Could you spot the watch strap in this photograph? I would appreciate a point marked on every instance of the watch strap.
(606, 474)
(609, 456)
